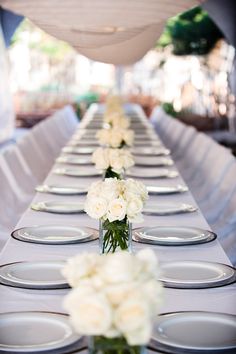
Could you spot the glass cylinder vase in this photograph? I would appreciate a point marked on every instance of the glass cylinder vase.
(115, 236)
(103, 345)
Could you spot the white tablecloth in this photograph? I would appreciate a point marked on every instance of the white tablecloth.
(216, 299)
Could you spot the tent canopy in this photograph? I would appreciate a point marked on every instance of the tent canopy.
(117, 32)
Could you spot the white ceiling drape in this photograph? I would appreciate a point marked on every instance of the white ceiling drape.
(111, 31)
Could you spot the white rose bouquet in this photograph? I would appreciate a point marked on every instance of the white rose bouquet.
(115, 137)
(117, 120)
(113, 162)
(115, 298)
(116, 203)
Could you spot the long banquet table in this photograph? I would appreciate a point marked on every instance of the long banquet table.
(220, 299)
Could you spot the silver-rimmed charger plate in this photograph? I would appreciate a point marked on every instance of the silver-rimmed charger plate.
(79, 150)
(144, 173)
(162, 190)
(34, 275)
(151, 151)
(195, 332)
(74, 160)
(57, 207)
(196, 274)
(37, 332)
(168, 209)
(55, 234)
(77, 172)
(173, 235)
(61, 190)
(153, 162)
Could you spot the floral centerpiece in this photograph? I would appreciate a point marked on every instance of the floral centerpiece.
(116, 204)
(115, 137)
(116, 119)
(114, 299)
(113, 162)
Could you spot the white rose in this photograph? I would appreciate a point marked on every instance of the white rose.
(116, 160)
(101, 159)
(132, 314)
(134, 206)
(128, 137)
(140, 336)
(90, 313)
(116, 209)
(116, 293)
(149, 260)
(136, 187)
(128, 160)
(80, 267)
(103, 136)
(115, 138)
(94, 189)
(119, 267)
(96, 207)
(153, 293)
(110, 189)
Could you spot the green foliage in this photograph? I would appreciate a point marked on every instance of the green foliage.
(169, 109)
(192, 32)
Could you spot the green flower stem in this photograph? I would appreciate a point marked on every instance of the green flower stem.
(114, 235)
(111, 174)
(103, 345)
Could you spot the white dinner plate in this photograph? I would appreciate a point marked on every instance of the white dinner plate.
(36, 332)
(173, 235)
(153, 162)
(196, 274)
(147, 143)
(79, 150)
(195, 332)
(166, 189)
(74, 160)
(151, 151)
(144, 173)
(55, 234)
(77, 172)
(59, 207)
(168, 208)
(61, 190)
(84, 142)
(34, 275)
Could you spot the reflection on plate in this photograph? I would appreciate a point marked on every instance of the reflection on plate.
(61, 190)
(34, 275)
(144, 173)
(59, 207)
(195, 332)
(77, 172)
(79, 150)
(55, 234)
(196, 274)
(37, 332)
(168, 209)
(166, 189)
(152, 151)
(74, 160)
(173, 235)
(147, 143)
(153, 162)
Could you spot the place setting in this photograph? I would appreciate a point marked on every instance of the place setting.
(165, 190)
(62, 189)
(77, 172)
(55, 234)
(38, 332)
(194, 332)
(165, 208)
(157, 161)
(151, 173)
(82, 150)
(150, 151)
(57, 207)
(74, 160)
(173, 235)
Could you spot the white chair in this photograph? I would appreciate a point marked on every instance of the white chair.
(19, 168)
(181, 147)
